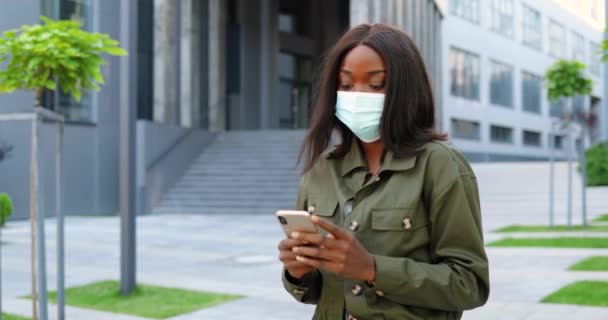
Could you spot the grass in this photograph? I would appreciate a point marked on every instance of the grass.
(561, 242)
(596, 263)
(13, 317)
(536, 228)
(602, 218)
(146, 301)
(590, 293)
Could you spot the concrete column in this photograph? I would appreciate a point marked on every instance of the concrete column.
(217, 65)
(165, 57)
(269, 74)
(190, 63)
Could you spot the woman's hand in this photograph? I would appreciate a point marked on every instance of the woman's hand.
(339, 252)
(295, 268)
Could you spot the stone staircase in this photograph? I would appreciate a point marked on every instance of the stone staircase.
(241, 172)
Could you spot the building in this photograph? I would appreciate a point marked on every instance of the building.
(204, 66)
(496, 53)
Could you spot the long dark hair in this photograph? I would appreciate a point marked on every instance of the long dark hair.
(408, 118)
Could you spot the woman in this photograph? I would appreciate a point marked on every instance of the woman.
(399, 210)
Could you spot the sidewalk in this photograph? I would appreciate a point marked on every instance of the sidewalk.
(237, 254)
(221, 253)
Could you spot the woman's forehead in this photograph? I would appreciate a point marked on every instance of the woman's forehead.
(362, 59)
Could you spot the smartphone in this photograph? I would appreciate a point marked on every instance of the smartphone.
(292, 220)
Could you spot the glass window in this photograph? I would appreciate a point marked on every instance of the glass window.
(464, 129)
(532, 138)
(532, 30)
(80, 10)
(501, 84)
(502, 17)
(578, 104)
(531, 92)
(466, 9)
(464, 74)
(557, 40)
(501, 134)
(578, 47)
(556, 108)
(594, 57)
(287, 23)
(558, 141)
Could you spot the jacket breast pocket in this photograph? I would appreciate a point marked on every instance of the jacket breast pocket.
(322, 206)
(398, 231)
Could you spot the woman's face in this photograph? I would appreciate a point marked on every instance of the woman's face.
(362, 70)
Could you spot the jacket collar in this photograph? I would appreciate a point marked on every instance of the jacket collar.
(355, 159)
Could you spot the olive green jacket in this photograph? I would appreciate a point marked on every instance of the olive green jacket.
(420, 219)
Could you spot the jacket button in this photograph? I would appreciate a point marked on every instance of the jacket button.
(354, 225)
(380, 293)
(357, 290)
(298, 291)
(407, 223)
(311, 209)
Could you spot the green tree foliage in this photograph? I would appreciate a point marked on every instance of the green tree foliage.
(6, 208)
(565, 78)
(54, 53)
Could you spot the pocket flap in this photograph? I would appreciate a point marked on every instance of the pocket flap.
(323, 207)
(402, 219)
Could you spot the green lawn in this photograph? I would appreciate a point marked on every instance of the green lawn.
(602, 218)
(535, 228)
(13, 317)
(591, 293)
(561, 242)
(597, 263)
(147, 301)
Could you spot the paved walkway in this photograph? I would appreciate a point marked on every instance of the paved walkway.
(237, 254)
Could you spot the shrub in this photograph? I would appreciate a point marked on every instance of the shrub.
(6, 208)
(597, 165)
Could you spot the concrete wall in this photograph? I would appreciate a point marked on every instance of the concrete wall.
(164, 153)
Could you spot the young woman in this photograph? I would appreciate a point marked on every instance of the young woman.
(399, 209)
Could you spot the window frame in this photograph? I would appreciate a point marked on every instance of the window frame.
(498, 12)
(526, 27)
(504, 66)
(475, 85)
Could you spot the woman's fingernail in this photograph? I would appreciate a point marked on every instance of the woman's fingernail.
(295, 235)
(314, 219)
(299, 258)
(295, 249)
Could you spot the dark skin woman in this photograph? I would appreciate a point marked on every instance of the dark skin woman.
(397, 208)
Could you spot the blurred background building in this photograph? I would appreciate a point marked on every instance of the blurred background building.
(205, 68)
(223, 75)
(496, 53)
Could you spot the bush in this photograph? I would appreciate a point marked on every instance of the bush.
(6, 208)
(597, 165)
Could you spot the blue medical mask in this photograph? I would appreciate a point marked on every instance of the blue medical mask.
(361, 113)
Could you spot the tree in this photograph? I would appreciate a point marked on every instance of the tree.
(50, 56)
(566, 79)
(54, 54)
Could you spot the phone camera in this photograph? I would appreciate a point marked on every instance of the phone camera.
(282, 220)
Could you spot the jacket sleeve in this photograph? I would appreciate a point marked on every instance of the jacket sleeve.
(308, 289)
(458, 278)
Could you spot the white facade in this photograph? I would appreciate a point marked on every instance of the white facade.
(470, 26)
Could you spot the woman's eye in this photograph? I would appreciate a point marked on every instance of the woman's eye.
(377, 87)
(345, 86)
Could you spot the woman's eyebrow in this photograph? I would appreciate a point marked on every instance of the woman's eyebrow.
(369, 72)
(376, 71)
